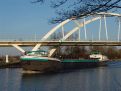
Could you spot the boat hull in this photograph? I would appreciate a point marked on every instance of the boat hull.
(56, 66)
(81, 65)
(42, 67)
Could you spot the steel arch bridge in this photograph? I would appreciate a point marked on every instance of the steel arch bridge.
(76, 29)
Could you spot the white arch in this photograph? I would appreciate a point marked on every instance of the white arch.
(75, 29)
(72, 31)
(108, 14)
(54, 29)
(79, 26)
(50, 33)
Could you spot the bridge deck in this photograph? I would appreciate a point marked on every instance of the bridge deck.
(60, 43)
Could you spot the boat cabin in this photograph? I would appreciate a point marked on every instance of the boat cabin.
(98, 55)
(37, 53)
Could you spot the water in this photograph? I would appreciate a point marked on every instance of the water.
(95, 79)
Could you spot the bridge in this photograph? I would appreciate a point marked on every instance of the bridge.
(72, 32)
(59, 43)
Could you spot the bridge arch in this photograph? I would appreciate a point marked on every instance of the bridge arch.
(97, 16)
(65, 36)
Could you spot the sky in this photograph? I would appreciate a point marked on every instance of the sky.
(22, 18)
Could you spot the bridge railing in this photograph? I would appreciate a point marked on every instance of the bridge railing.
(53, 40)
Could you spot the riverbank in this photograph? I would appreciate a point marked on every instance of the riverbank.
(13, 62)
(10, 65)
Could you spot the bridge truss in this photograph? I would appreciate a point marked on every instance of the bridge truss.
(61, 35)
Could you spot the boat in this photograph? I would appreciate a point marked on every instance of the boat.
(38, 61)
(95, 59)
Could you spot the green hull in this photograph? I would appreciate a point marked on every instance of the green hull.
(79, 60)
(35, 59)
(64, 61)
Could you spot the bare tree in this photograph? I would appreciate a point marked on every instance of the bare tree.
(66, 9)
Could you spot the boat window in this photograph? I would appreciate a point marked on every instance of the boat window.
(95, 52)
(40, 53)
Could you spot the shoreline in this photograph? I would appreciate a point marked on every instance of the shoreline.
(10, 65)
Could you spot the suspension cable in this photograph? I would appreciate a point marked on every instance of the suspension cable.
(119, 30)
(106, 27)
(85, 30)
(79, 34)
(100, 27)
(62, 31)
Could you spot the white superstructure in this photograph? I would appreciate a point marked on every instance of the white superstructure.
(37, 55)
(99, 56)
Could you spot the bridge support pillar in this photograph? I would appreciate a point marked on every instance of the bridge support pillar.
(18, 47)
(6, 59)
(51, 52)
(36, 47)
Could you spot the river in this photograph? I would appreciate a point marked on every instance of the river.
(94, 79)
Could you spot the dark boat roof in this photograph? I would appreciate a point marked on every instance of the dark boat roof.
(95, 52)
(36, 51)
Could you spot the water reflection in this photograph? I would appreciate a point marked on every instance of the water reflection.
(10, 79)
(96, 79)
(99, 79)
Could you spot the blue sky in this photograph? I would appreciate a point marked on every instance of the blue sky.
(23, 17)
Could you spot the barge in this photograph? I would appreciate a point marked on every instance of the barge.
(38, 61)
